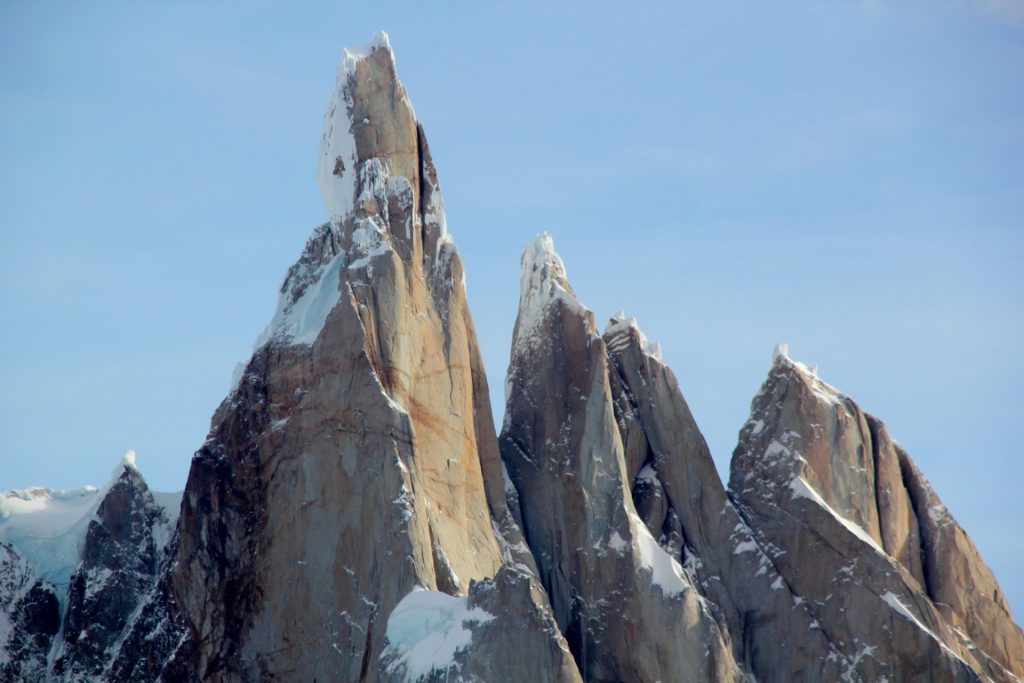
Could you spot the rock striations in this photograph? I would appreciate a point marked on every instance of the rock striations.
(352, 515)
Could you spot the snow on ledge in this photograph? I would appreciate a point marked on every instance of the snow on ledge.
(426, 629)
(800, 488)
(300, 321)
(666, 572)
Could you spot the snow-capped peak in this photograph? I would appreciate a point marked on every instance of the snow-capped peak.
(336, 171)
(352, 55)
(780, 352)
(48, 526)
(542, 273)
(823, 390)
(617, 335)
(542, 281)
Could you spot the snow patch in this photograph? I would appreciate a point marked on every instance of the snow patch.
(301, 321)
(894, 602)
(426, 629)
(666, 572)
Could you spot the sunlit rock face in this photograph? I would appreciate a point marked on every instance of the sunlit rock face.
(356, 458)
(857, 532)
(629, 611)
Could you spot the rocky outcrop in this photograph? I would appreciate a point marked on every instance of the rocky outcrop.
(852, 526)
(356, 458)
(628, 610)
(123, 546)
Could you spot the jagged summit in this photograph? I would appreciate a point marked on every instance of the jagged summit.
(884, 568)
(49, 526)
(352, 515)
(381, 195)
(543, 284)
(337, 163)
(621, 327)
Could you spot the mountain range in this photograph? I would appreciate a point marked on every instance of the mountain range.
(354, 514)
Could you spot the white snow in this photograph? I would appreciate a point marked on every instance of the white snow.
(666, 572)
(617, 332)
(426, 629)
(616, 542)
(301, 322)
(747, 546)
(781, 351)
(801, 489)
(893, 601)
(647, 474)
(48, 527)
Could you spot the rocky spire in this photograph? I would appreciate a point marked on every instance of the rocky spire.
(849, 523)
(122, 550)
(356, 458)
(628, 610)
(679, 496)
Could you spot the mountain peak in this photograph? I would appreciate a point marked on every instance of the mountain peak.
(543, 282)
(619, 329)
(368, 117)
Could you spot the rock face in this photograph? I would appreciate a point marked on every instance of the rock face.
(859, 535)
(352, 515)
(356, 459)
(681, 499)
(29, 618)
(70, 626)
(118, 569)
(628, 610)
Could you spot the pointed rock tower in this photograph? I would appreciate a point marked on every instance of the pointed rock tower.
(356, 458)
(858, 534)
(629, 611)
(680, 497)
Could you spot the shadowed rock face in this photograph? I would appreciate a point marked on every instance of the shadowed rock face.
(356, 458)
(628, 610)
(29, 618)
(679, 496)
(855, 531)
(118, 568)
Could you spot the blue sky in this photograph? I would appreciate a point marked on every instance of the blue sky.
(845, 177)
